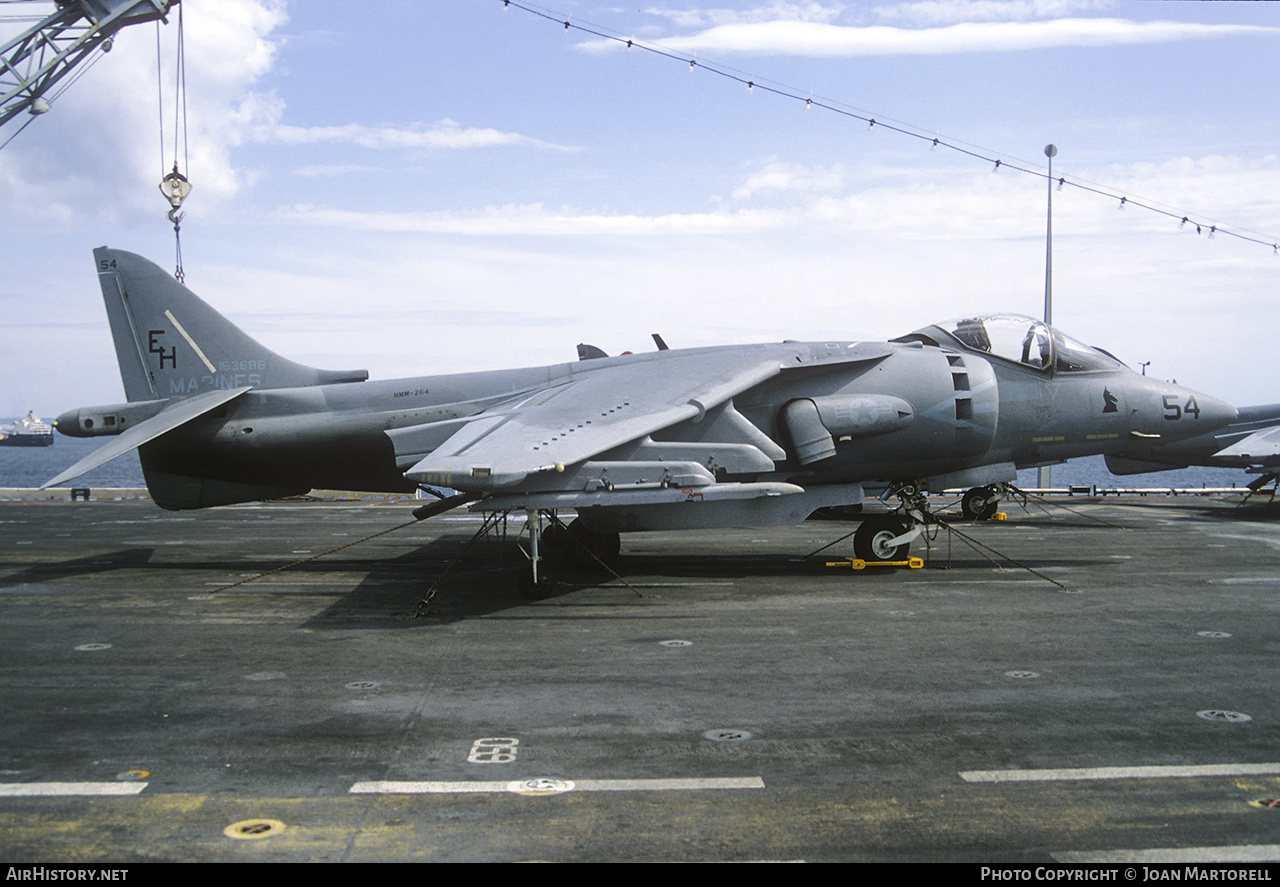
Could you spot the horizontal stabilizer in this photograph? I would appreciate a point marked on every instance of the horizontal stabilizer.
(178, 413)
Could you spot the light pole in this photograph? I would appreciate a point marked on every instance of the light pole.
(1046, 472)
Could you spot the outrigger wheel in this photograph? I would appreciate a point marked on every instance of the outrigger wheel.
(980, 503)
(871, 542)
(533, 590)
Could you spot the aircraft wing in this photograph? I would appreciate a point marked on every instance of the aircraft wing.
(178, 413)
(1258, 446)
(593, 411)
(600, 408)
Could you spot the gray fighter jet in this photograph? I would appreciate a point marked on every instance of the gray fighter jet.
(726, 436)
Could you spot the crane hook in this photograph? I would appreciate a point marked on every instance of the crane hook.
(175, 189)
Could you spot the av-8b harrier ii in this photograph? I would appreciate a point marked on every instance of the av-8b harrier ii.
(704, 437)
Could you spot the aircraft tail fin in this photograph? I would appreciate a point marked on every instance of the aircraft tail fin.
(172, 344)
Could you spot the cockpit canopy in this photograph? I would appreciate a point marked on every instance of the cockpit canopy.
(1026, 341)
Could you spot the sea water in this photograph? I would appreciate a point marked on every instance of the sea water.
(32, 466)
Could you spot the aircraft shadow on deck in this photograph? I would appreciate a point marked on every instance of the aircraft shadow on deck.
(33, 574)
(1259, 509)
(482, 582)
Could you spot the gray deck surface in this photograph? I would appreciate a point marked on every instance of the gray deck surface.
(857, 715)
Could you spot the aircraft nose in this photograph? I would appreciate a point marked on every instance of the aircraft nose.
(1216, 413)
(1186, 413)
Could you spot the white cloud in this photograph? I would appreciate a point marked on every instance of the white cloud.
(446, 134)
(946, 12)
(333, 170)
(537, 221)
(909, 203)
(1231, 191)
(99, 146)
(808, 38)
(912, 205)
(702, 18)
(778, 177)
(232, 51)
(95, 157)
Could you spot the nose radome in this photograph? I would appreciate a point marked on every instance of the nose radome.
(1215, 413)
(1192, 413)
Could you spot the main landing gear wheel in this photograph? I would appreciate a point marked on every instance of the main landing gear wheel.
(980, 503)
(553, 538)
(584, 546)
(534, 590)
(871, 542)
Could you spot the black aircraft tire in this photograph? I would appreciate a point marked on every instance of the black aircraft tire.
(534, 591)
(584, 546)
(974, 504)
(869, 541)
(553, 538)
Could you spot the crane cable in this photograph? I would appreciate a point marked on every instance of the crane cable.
(174, 185)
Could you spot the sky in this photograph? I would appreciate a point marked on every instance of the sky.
(429, 187)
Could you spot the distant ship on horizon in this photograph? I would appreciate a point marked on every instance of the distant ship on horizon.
(29, 431)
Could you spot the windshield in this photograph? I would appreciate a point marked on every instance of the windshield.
(1026, 341)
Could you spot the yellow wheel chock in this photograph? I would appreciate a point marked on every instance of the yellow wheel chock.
(911, 563)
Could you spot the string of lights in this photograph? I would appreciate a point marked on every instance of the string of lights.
(998, 163)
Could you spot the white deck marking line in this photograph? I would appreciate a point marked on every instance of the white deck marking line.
(1235, 853)
(190, 341)
(64, 789)
(668, 584)
(663, 785)
(1169, 772)
(579, 785)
